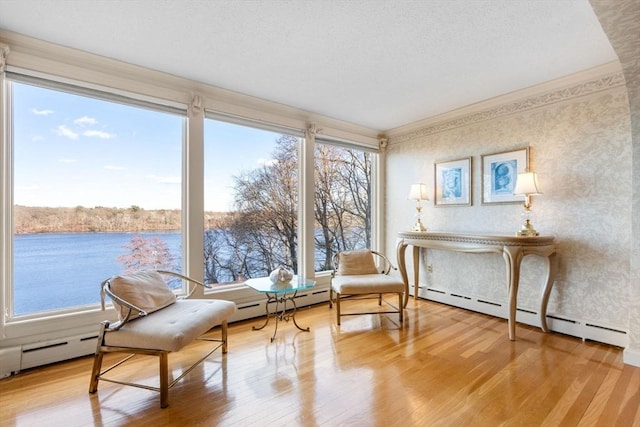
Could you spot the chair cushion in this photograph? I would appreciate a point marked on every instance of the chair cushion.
(172, 327)
(356, 262)
(144, 289)
(366, 284)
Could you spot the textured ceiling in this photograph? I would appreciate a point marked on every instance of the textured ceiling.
(375, 63)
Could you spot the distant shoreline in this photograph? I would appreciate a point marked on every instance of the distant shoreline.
(38, 220)
(103, 232)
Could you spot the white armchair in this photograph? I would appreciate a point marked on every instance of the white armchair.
(356, 275)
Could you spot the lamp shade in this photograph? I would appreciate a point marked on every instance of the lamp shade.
(418, 192)
(527, 184)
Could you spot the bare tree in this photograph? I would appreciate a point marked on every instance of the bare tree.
(262, 233)
(146, 253)
(268, 200)
(342, 200)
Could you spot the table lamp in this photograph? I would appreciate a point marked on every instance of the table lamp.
(527, 186)
(418, 193)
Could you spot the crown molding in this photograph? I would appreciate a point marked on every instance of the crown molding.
(580, 84)
(66, 63)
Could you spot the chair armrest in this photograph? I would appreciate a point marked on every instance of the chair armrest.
(189, 279)
(106, 290)
(387, 266)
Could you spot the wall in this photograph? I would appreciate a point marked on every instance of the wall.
(621, 23)
(578, 130)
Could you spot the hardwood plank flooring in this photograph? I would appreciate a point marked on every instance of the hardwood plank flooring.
(445, 367)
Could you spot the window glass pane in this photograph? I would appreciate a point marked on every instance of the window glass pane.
(251, 202)
(343, 200)
(97, 192)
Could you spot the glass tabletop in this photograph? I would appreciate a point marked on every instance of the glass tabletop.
(265, 285)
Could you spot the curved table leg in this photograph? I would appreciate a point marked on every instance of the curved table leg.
(513, 258)
(270, 300)
(416, 270)
(552, 266)
(402, 266)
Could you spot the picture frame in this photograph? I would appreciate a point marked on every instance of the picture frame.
(452, 180)
(499, 174)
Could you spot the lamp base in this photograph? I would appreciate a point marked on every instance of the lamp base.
(419, 226)
(527, 230)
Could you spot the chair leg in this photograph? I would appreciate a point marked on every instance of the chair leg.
(95, 371)
(164, 379)
(338, 308)
(223, 327)
(97, 360)
(400, 308)
(330, 297)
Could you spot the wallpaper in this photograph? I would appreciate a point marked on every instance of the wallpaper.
(580, 147)
(621, 24)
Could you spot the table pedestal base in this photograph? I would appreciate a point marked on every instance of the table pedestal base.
(281, 313)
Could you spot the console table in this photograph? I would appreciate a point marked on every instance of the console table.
(512, 248)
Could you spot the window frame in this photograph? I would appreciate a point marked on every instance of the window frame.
(13, 326)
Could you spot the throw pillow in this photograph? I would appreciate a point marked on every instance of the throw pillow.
(144, 289)
(356, 262)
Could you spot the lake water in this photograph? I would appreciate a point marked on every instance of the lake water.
(53, 271)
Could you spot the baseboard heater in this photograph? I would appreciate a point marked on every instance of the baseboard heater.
(586, 330)
(16, 359)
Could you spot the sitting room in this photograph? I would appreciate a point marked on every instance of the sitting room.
(378, 212)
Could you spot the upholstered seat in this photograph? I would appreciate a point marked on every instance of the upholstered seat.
(174, 326)
(367, 284)
(152, 321)
(356, 275)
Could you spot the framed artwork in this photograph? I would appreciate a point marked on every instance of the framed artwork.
(453, 183)
(499, 174)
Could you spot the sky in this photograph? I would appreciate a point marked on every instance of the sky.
(71, 150)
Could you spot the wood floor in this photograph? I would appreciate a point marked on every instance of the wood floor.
(444, 367)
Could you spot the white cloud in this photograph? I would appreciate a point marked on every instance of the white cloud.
(99, 134)
(41, 112)
(166, 179)
(62, 130)
(114, 168)
(85, 120)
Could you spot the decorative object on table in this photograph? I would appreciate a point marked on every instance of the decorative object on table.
(418, 193)
(499, 174)
(281, 275)
(527, 185)
(453, 183)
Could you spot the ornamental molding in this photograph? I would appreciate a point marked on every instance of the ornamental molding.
(526, 104)
(196, 105)
(311, 130)
(4, 53)
(383, 142)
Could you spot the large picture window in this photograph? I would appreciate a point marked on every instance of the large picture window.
(343, 201)
(251, 202)
(96, 191)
